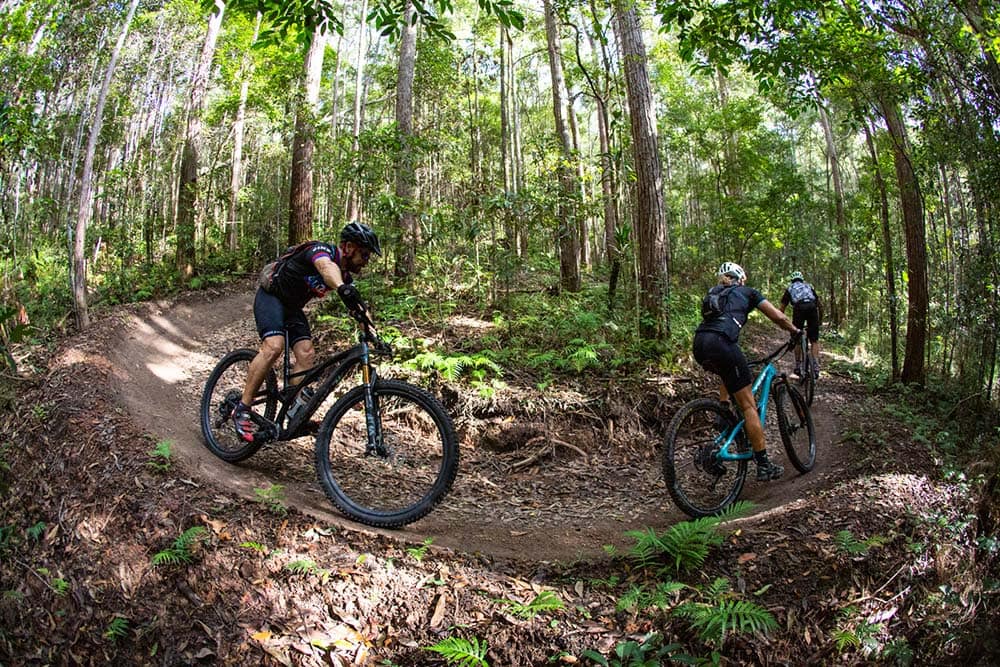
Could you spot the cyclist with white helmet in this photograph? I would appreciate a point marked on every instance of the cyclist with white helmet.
(716, 349)
(306, 271)
(807, 314)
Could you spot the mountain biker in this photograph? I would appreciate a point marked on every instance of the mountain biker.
(309, 270)
(717, 350)
(807, 313)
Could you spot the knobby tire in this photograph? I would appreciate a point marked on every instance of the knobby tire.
(223, 390)
(796, 426)
(698, 484)
(414, 474)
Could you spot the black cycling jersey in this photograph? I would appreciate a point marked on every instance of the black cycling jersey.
(298, 280)
(739, 302)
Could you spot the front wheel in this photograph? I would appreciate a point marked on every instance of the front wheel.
(808, 379)
(223, 390)
(400, 479)
(700, 483)
(796, 427)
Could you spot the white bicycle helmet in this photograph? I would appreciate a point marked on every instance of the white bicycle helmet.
(733, 270)
(796, 275)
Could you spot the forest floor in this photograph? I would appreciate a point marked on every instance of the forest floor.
(85, 509)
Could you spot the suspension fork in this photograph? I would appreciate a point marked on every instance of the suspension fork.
(373, 417)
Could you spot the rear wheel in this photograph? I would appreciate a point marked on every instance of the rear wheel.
(808, 379)
(399, 479)
(796, 426)
(699, 483)
(222, 392)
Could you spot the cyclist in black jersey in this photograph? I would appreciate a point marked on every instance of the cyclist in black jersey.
(716, 348)
(807, 314)
(309, 271)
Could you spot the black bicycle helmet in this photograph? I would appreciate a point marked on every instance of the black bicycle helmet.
(361, 234)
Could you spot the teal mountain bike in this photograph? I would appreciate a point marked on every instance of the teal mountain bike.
(706, 451)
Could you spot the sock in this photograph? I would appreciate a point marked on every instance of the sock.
(760, 457)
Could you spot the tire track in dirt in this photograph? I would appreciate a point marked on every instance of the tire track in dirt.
(165, 351)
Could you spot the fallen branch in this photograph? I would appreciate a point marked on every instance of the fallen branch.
(541, 453)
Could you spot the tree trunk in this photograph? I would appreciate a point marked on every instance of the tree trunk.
(188, 190)
(650, 220)
(843, 233)
(890, 267)
(87, 182)
(236, 180)
(409, 233)
(354, 195)
(569, 266)
(300, 209)
(916, 246)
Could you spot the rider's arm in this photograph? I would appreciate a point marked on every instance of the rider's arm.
(777, 316)
(334, 277)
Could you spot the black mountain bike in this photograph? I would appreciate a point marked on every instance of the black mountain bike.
(807, 379)
(386, 451)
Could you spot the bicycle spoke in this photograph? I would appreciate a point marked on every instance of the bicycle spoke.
(796, 427)
(398, 479)
(223, 390)
(699, 483)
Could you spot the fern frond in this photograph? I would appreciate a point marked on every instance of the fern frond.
(304, 566)
(462, 652)
(189, 537)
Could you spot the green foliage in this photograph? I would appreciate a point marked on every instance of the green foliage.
(272, 498)
(180, 552)
(649, 652)
(36, 531)
(159, 457)
(640, 597)
(686, 544)
(856, 633)
(847, 543)
(453, 366)
(543, 602)
(462, 652)
(254, 546)
(117, 628)
(715, 619)
(306, 566)
(418, 553)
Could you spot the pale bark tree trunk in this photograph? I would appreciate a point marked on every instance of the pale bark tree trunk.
(914, 367)
(890, 267)
(840, 315)
(569, 266)
(236, 180)
(188, 190)
(409, 232)
(650, 220)
(354, 195)
(87, 182)
(300, 204)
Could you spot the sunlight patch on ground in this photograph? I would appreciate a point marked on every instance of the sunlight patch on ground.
(470, 323)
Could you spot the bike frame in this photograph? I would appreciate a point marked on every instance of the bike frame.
(344, 363)
(761, 389)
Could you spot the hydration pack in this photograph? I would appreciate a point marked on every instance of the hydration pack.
(273, 268)
(801, 293)
(713, 305)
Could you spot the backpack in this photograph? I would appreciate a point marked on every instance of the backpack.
(801, 293)
(270, 272)
(713, 305)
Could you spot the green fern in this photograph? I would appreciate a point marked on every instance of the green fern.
(847, 543)
(453, 367)
(307, 566)
(272, 498)
(714, 621)
(116, 629)
(544, 601)
(160, 457)
(418, 553)
(255, 546)
(180, 551)
(462, 652)
(36, 531)
(641, 597)
(59, 586)
(686, 544)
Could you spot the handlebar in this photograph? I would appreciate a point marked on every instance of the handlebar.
(370, 336)
(781, 351)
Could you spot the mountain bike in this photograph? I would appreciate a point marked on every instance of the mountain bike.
(807, 379)
(386, 451)
(706, 450)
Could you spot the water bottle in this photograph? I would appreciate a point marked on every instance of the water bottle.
(300, 402)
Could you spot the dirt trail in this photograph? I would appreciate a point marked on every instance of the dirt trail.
(165, 351)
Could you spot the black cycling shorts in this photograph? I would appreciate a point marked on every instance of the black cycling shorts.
(807, 318)
(717, 354)
(273, 318)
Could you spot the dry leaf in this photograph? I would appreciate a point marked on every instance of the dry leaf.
(439, 610)
(744, 558)
(262, 636)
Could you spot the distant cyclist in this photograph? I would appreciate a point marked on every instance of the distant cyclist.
(716, 348)
(807, 314)
(307, 271)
